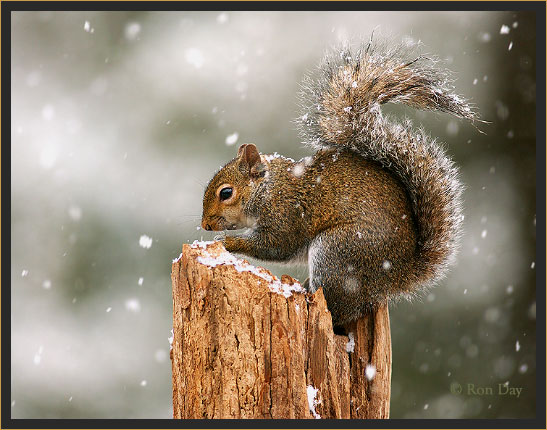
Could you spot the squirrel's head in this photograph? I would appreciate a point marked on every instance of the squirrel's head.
(229, 190)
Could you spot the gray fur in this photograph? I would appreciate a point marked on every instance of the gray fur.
(341, 108)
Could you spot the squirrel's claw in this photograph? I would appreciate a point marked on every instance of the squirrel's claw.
(220, 237)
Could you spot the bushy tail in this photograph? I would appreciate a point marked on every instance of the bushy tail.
(341, 109)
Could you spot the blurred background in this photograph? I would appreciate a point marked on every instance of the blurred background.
(119, 119)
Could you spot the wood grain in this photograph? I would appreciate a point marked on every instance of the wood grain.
(241, 350)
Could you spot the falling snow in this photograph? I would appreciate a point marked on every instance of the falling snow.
(452, 128)
(222, 18)
(485, 37)
(370, 372)
(133, 305)
(160, 355)
(34, 78)
(48, 112)
(352, 285)
(532, 311)
(194, 57)
(492, 314)
(298, 170)
(231, 139)
(75, 213)
(38, 356)
(132, 30)
(88, 28)
(145, 241)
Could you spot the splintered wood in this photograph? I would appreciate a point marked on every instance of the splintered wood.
(248, 345)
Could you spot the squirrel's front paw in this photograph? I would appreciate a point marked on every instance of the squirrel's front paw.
(230, 243)
(227, 241)
(236, 244)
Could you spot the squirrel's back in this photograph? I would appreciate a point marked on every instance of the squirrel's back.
(341, 109)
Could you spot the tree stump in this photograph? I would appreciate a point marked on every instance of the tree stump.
(248, 345)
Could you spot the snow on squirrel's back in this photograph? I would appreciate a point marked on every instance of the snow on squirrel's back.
(213, 258)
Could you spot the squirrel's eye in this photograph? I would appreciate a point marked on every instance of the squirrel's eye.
(225, 194)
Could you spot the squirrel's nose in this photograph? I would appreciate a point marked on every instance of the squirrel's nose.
(206, 226)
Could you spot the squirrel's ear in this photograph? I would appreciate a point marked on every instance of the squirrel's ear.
(248, 154)
(250, 161)
(241, 149)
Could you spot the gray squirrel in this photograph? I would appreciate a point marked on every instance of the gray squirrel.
(376, 211)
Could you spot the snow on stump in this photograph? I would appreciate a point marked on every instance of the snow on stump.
(248, 345)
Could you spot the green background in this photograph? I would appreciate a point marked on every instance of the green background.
(118, 124)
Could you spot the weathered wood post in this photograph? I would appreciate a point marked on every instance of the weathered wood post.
(248, 345)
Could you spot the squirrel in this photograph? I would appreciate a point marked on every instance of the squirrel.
(376, 212)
